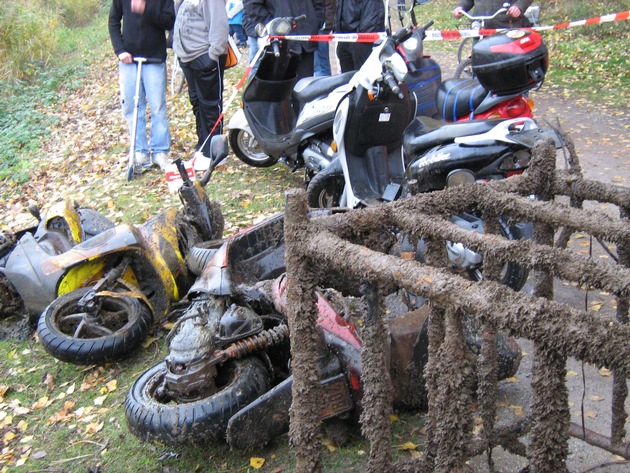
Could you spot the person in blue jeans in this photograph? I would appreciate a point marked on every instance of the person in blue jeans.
(249, 24)
(322, 55)
(234, 9)
(137, 28)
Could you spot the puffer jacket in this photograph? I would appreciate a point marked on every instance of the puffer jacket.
(359, 16)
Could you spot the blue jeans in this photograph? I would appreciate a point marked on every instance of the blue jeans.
(153, 92)
(253, 47)
(322, 59)
(241, 37)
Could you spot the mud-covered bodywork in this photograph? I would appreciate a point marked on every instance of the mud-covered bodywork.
(237, 312)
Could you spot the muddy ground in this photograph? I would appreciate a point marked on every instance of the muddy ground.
(602, 141)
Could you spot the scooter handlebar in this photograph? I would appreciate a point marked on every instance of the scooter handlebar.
(148, 60)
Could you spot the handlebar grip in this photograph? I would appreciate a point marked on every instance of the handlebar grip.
(393, 85)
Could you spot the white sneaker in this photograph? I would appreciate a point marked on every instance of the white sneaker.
(200, 162)
(141, 162)
(162, 160)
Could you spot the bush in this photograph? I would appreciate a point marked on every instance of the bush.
(28, 38)
(76, 13)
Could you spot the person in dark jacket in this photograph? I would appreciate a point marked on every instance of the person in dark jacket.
(137, 28)
(357, 16)
(513, 18)
(264, 10)
(250, 29)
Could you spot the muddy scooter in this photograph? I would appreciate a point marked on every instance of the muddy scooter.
(107, 291)
(62, 226)
(227, 374)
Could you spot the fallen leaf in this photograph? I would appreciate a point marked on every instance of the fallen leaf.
(100, 400)
(256, 462)
(329, 445)
(605, 372)
(408, 446)
(571, 373)
(597, 398)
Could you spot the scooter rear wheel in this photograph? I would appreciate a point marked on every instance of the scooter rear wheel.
(247, 149)
(69, 335)
(175, 421)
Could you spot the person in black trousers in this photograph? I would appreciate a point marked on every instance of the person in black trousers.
(357, 16)
(200, 41)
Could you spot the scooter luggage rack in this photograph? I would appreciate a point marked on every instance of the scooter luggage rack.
(315, 247)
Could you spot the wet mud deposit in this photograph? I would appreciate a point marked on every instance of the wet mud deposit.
(358, 245)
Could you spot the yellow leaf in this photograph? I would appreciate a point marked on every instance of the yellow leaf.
(393, 418)
(605, 372)
(571, 373)
(8, 436)
(597, 398)
(43, 402)
(408, 446)
(256, 462)
(591, 414)
(93, 427)
(27, 439)
(329, 445)
(22, 425)
(147, 343)
(513, 379)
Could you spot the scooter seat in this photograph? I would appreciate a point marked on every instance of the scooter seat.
(457, 98)
(310, 88)
(424, 133)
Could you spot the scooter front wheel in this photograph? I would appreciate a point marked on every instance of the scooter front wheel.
(154, 414)
(324, 191)
(247, 149)
(70, 335)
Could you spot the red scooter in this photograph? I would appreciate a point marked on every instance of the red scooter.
(228, 371)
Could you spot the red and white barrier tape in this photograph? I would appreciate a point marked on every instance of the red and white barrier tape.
(448, 35)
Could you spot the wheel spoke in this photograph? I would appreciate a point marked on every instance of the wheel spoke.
(98, 329)
(77, 332)
(73, 318)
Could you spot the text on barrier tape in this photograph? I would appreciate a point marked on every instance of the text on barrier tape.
(448, 35)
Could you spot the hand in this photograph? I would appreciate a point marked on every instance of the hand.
(458, 12)
(514, 12)
(137, 6)
(125, 57)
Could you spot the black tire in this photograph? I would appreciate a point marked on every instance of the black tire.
(324, 191)
(125, 327)
(464, 70)
(173, 422)
(247, 149)
(514, 275)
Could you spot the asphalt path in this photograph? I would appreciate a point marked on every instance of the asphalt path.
(602, 141)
